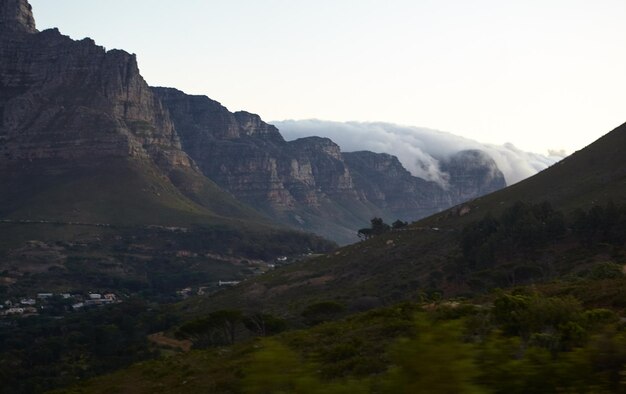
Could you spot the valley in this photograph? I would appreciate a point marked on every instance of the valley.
(153, 241)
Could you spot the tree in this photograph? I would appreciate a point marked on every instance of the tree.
(379, 226)
(217, 328)
(364, 233)
(399, 224)
(264, 324)
(436, 361)
(320, 312)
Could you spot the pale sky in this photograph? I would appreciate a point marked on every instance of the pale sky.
(541, 74)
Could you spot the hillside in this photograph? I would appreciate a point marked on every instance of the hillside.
(528, 341)
(153, 241)
(558, 328)
(90, 156)
(427, 257)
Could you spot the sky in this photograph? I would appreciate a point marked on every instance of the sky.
(540, 74)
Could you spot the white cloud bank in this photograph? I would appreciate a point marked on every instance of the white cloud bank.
(418, 149)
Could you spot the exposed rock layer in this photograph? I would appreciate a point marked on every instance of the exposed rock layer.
(67, 99)
(73, 101)
(16, 16)
(309, 182)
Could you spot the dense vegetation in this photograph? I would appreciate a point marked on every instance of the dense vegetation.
(515, 342)
(40, 353)
(378, 227)
(536, 242)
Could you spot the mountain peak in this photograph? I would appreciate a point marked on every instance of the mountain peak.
(17, 16)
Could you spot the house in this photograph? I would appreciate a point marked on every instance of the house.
(78, 305)
(110, 297)
(43, 296)
(15, 311)
(185, 253)
(184, 292)
(95, 296)
(228, 283)
(28, 301)
(66, 296)
(29, 310)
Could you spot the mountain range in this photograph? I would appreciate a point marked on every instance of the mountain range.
(158, 199)
(80, 125)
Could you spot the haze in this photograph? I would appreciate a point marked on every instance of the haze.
(539, 74)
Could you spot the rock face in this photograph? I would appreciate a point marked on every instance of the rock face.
(388, 185)
(309, 182)
(73, 102)
(16, 16)
(250, 158)
(65, 99)
(472, 173)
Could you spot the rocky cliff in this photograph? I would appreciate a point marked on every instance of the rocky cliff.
(67, 99)
(471, 173)
(16, 16)
(309, 182)
(73, 114)
(387, 184)
(74, 103)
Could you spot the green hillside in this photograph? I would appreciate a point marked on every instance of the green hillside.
(549, 344)
(122, 213)
(413, 309)
(114, 191)
(427, 257)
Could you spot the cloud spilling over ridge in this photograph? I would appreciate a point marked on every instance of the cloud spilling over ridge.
(419, 149)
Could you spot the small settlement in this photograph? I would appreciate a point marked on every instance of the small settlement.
(24, 307)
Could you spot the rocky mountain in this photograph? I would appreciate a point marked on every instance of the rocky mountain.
(70, 105)
(86, 147)
(309, 183)
(66, 99)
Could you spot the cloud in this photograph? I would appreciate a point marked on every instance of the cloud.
(419, 149)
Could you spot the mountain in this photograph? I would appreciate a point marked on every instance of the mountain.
(71, 109)
(382, 179)
(554, 225)
(420, 150)
(309, 183)
(90, 156)
(376, 317)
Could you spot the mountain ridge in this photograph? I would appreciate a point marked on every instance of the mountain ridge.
(306, 183)
(66, 101)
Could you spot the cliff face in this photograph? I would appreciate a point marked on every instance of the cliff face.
(472, 173)
(83, 137)
(65, 99)
(73, 102)
(309, 182)
(16, 16)
(250, 158)
(384, 181)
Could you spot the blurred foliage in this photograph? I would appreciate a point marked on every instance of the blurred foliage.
(40, 353)
(514, 342)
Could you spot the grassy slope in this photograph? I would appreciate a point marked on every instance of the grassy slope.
(118, 192)
(395, 262)
(358, 347)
